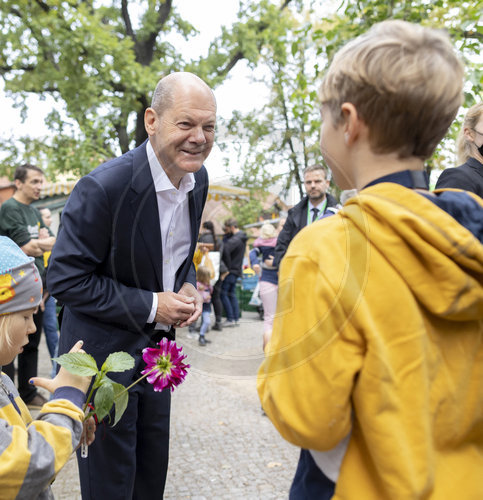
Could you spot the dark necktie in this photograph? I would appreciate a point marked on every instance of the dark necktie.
(315, 212)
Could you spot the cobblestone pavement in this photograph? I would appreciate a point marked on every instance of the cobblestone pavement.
(222, 446)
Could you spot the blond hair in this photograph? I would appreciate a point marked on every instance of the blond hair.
(405, 82)
(267, 231)
(472, 117)
(203, 275)
(5, 325)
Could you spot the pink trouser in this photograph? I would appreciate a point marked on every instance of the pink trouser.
(268, 296)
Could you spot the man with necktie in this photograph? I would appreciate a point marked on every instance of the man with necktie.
(316, 205)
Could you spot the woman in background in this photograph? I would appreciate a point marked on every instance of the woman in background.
(469, 175)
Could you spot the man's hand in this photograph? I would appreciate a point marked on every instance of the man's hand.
(46, 244)
(43, 233)
(32, 249)
(190, 291)
(175, 308)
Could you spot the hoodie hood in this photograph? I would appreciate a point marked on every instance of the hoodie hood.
(440, 259)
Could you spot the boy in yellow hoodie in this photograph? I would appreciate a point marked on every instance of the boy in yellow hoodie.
(375, 364)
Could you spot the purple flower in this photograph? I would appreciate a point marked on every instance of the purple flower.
(164, 366)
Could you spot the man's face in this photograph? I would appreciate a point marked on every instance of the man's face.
(46, 216)
(182, 136)
(29, 190)
(315, 185)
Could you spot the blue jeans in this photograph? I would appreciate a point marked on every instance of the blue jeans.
(205, 322)
(309, 481)
(50, 330)
(228, 297)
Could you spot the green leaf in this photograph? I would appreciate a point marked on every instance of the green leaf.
(118, 362)
(104, 399)
(78, 363)
(121, 398)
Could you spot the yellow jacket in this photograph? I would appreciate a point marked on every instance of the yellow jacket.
(33, 451)
(379, 331)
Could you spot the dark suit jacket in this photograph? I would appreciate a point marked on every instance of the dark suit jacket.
(468, 176)
(296, 220)
(108, 257)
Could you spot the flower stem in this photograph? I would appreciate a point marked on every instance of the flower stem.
(135, 382)
(94, 387)
(88, 400)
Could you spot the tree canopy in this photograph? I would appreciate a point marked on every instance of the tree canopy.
(102, 60)
(283, 138)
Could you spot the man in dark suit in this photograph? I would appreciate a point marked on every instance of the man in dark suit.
(316, 205)
(122, 266)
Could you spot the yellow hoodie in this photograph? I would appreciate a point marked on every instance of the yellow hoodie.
(379, 331)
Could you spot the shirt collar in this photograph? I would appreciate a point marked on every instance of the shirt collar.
(161, 180)
(473, 162)
(319, 206)
(412, 179)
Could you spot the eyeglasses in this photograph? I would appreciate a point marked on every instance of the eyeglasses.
(474, 130)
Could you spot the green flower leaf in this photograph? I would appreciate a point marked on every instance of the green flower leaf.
(104, 399)
(118, 362)
(78, 363)
(121, 398)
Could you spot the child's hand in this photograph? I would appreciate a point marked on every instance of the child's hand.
(89, 431)
(64, 378)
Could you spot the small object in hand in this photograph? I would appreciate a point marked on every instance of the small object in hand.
(84, 449)
(178, 322)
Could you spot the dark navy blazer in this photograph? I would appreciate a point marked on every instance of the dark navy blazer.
(107, 259)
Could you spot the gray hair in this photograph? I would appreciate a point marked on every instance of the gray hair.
(163, 96)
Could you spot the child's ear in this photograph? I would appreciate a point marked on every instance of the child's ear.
(352, 123)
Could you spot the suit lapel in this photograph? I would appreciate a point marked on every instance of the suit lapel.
(183, 270)
(303, 214)
(144, 206)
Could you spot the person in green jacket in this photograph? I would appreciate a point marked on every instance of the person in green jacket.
(22, 223)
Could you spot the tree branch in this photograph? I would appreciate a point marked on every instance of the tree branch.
(231, 63)
(145, 49)
(239, 55)
(43, 5)
(127, 21)
(6, 69)
(473, 34)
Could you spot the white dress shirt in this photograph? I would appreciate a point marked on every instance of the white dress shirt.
(319, 207)
(174, 222)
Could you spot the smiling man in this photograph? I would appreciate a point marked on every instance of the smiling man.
(123, 268)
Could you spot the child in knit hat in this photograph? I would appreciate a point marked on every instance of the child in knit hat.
(32, 451)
